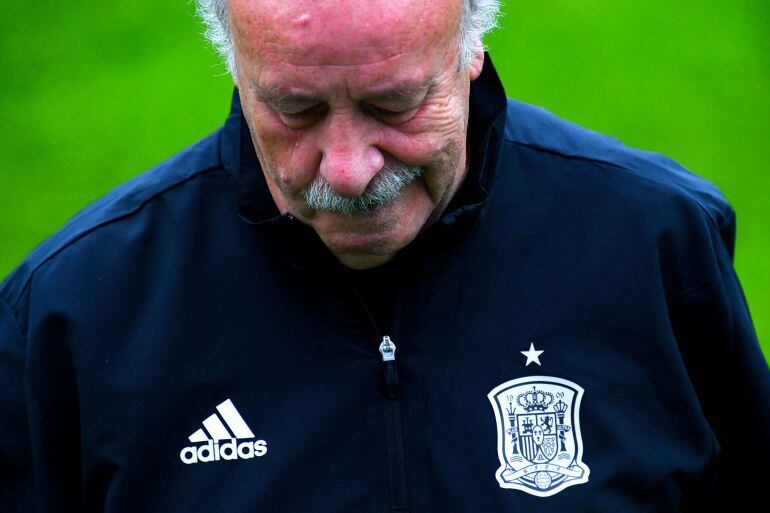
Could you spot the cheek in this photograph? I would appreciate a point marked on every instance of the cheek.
(429, 137)
(444, 178)
(290, 157)
(438, 145)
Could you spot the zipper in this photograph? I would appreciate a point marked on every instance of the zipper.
(394, 428)
(394, 431)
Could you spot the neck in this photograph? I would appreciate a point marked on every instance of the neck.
(363, 262)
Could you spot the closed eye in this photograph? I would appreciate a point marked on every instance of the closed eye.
(298, 118)
(391, 116)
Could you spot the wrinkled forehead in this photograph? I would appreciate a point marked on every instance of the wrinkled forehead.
(342, 32)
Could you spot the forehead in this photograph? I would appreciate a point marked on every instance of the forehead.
(363, 34)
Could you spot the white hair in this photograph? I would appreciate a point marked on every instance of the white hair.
(478, 17)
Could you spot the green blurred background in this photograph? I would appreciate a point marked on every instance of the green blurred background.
(92, 93)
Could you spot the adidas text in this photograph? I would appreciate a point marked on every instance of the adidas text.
(232, 450)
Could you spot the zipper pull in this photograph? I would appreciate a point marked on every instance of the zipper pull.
(387, 349)
(388, 352)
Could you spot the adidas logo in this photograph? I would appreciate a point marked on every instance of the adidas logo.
(233, 449)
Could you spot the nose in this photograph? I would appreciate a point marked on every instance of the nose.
(350, 158)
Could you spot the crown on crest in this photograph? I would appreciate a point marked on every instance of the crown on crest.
(535, 400)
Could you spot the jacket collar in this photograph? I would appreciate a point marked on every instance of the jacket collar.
(485, 129)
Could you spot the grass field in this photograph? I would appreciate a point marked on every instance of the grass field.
(93, 93)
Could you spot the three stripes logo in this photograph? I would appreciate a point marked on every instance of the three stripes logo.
(240, 443)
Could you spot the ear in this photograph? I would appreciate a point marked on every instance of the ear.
(477, 63)
(234, 74)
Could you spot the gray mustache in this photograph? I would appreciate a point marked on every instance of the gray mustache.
(384, 187)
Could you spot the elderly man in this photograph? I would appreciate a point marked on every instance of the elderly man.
(381, 286)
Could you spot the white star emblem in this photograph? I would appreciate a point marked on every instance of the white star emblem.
(532, 355)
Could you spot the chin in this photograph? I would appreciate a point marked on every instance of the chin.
(379, 234)
(365, 237)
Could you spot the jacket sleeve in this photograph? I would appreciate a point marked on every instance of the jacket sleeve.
(713, 327)
(39, 430)
(15, 466)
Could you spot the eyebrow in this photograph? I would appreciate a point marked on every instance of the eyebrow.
(406, 91)
(280, 96)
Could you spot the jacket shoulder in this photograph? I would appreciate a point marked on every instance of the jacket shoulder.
(120, 203)
(539, 129)
(679, 220)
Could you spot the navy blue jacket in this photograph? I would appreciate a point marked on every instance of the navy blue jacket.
(181, 346)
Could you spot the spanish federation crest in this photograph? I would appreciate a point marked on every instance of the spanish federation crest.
(538, 434)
